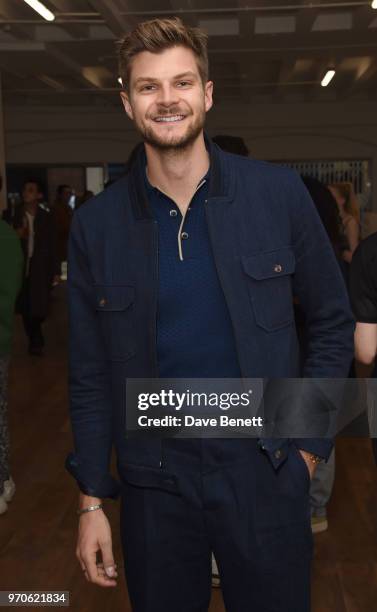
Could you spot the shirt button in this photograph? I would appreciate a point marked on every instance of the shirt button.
(278, 268)
(173, 213)
(278, 454)
(184, 235)
(102, 302)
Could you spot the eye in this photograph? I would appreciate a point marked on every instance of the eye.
(147, 88)
(183, 83)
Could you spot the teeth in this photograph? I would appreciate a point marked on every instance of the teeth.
(172, 118)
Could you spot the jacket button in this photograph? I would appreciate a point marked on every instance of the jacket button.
(184, 235)
(102, 302)
(277, 268)
(173, 213)
(278, 454)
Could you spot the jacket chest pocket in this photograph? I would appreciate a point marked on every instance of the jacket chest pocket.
(115, 307)
(269, 281)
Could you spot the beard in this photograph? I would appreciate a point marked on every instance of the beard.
(172, 142)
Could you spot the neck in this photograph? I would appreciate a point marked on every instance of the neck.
(178, 172)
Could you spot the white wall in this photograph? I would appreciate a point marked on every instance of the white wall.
(93, 135)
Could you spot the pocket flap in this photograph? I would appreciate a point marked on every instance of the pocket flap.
(114, 297)
(146, 476)
(271, 264)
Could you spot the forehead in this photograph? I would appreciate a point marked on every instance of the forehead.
(163, 65)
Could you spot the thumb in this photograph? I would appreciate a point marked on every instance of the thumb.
(108, 559)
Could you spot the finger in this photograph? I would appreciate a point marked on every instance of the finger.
(90, 565)
(108, 557)
(101, 570)
(100, 564)
(91, 571)
(103, 576)
(80, 560)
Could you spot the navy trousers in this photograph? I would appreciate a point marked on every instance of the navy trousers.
(222, 496)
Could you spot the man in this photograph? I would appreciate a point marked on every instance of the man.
(63, 217)
(35, 227)
(363, 292)
(185, 269)
(10, 280)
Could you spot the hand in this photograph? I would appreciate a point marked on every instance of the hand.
(94, 535)
(309, 464)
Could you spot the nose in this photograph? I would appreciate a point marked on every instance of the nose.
(167, 95)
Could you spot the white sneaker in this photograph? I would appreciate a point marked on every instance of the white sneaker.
(3, 505)
(9, 489)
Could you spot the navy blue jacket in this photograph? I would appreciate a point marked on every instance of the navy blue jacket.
(269, 245)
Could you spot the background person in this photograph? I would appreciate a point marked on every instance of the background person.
(323, 479)
(63, 214)
(349, 211)
(11, 264)
(363, 294)
(35, 226)
(232, 144)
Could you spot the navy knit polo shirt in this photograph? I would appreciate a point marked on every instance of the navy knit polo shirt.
(195, 337)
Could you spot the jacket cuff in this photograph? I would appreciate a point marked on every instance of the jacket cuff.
(317, 446)
(91, 479)
(277, 449)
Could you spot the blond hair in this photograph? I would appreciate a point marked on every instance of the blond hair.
(157, 35)
(351, 206)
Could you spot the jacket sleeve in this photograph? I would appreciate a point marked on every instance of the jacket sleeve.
(321, 291)
(89, 390)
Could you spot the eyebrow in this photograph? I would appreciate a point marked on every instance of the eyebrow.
(189, 73)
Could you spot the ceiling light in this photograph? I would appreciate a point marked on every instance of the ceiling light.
(120, 81)
(374, 4)
(41, 9)
(328, 77)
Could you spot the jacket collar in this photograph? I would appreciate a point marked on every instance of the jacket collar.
(221, 179)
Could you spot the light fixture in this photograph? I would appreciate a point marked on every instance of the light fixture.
(374, 4)
(41, 9)
(328, 77)
(120, 81)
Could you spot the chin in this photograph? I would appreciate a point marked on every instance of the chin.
(179, 139)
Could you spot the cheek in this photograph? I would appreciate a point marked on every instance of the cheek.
(143, 111)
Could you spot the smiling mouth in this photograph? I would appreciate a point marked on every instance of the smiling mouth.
(169, 119)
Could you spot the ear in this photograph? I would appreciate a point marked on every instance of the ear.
(126, 103)
(208, 93)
